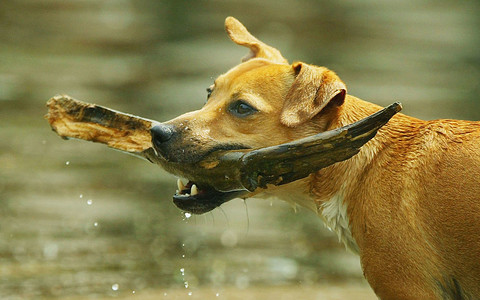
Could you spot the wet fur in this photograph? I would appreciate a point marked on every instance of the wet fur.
(408, 203)
(451, 290)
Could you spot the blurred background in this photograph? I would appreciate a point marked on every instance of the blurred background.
(80, 221)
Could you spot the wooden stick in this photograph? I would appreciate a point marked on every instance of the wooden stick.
(223, 170)
(71, 118)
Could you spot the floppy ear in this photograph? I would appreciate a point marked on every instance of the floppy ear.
(240, 35)
(313, 88)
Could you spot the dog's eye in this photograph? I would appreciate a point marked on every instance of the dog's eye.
(241, 109)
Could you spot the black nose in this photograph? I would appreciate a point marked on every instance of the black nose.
(161, 134)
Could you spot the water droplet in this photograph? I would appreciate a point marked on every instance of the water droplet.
(67, 162)
(165, 294)
(182, 270)
(217, 294)
(190, 293)
(89, 202)
(133, 292)
(81, 196)
(295, 209)
(95, 224)
(183, 255)
(115, 286)
(186, 284)
(183, 245)
(187, 215)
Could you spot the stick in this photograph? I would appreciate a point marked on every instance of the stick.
(71, 118)
(224, 170)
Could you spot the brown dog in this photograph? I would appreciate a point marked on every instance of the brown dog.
(408, 203)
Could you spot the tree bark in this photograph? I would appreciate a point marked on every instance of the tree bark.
(223, 170)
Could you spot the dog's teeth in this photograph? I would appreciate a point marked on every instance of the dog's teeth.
(194, 190)
(180, 185)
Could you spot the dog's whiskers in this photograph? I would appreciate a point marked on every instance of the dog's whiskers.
(248, 217)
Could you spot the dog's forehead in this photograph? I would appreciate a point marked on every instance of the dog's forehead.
(250, 69)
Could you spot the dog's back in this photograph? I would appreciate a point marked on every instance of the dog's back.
(449, 202)
(415, 212)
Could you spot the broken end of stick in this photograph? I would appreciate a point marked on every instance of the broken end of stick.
(397, 106)
(71, 118)
(55, 114)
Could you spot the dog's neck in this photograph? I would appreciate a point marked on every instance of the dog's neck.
(335, 189)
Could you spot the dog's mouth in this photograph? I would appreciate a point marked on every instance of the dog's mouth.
(224, 174)
(227, 174)
(200, 198)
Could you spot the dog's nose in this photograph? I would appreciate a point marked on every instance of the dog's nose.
(161, 134)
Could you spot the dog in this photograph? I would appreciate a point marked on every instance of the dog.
(408, 203)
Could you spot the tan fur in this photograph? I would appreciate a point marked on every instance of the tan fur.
(412, 194)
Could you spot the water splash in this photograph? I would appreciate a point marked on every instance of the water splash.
(115, 286)
(89, 202)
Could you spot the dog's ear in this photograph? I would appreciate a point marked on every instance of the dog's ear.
(313, 88)
(240, 35)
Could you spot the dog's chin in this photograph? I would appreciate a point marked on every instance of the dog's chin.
(197, 199)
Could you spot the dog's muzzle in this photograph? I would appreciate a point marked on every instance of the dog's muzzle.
(192, 197)
(169, 144)
(161, 134)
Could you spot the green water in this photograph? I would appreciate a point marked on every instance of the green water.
(78, 219)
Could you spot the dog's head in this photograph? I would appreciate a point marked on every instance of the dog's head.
(261, 102)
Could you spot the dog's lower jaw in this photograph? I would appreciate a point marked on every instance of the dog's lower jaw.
(201, 199)
(199, 205)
